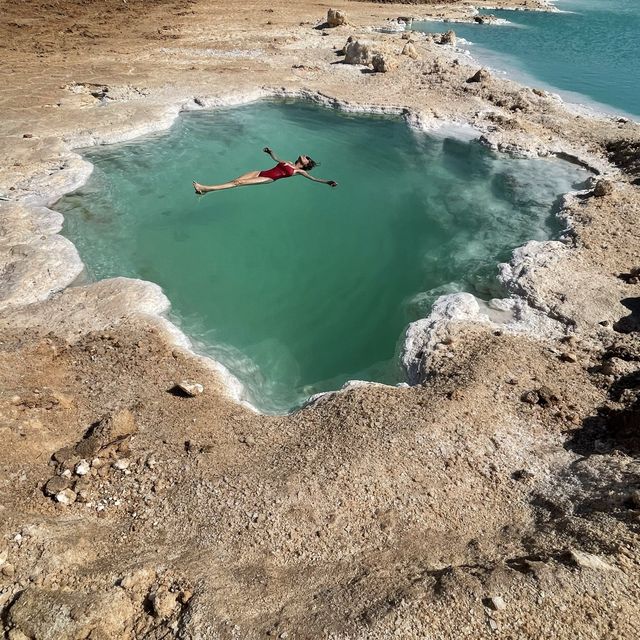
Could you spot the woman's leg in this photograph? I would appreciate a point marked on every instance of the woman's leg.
(246, 179)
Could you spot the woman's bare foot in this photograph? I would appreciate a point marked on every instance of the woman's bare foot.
(198, 188)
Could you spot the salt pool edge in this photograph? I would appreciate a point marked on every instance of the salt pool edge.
(77, 170)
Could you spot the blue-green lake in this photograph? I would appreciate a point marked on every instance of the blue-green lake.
(294, 286)
(588, 52)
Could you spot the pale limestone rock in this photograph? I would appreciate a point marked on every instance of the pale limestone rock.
(410, 50)
(190, 387)
(589, 561)
(357, 53)
(66, 496)
(122, 464)
(497, 603)
(381, 63)
(82, 468)
(336, 18)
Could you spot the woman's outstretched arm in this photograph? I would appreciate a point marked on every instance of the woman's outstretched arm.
(331, 183)
(269, 151)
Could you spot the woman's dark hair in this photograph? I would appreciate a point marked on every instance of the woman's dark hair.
(310, 164)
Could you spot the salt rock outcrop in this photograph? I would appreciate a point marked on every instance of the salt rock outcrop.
(357, 53)
(381, 63)
(410, 50)
(336, 18)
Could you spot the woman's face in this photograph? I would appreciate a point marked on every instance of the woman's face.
(303, 161)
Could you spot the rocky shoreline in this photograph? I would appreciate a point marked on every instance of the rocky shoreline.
(496, 496)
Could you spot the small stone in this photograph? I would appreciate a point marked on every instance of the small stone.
(27, 135)
(121, 464)
(64, 454)
(82, 468)
(55, 485)
(602, 188)
(546, 396)
(67, 496)
(8, 570)
(481, 75)
(497, 603)
(190, 387)
(4, 554)
(530, 397)
(589, 561)
(410, 50)
(381, 63)
(66, 474)
(164, 602)
(569, 357)
(512, 381)
(88, 447)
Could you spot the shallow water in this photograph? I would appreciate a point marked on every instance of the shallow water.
(294, 286)
(589, 52)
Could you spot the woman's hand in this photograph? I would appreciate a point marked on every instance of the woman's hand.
(332, 183)
(268, 150)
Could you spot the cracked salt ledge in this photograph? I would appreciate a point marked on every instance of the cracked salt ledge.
(49, 264)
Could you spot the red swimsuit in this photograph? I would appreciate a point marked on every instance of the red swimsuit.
(281, 170)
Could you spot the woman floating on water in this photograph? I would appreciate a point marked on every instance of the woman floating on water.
(283, 169)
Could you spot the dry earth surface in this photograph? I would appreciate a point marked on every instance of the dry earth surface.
(499, 497)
